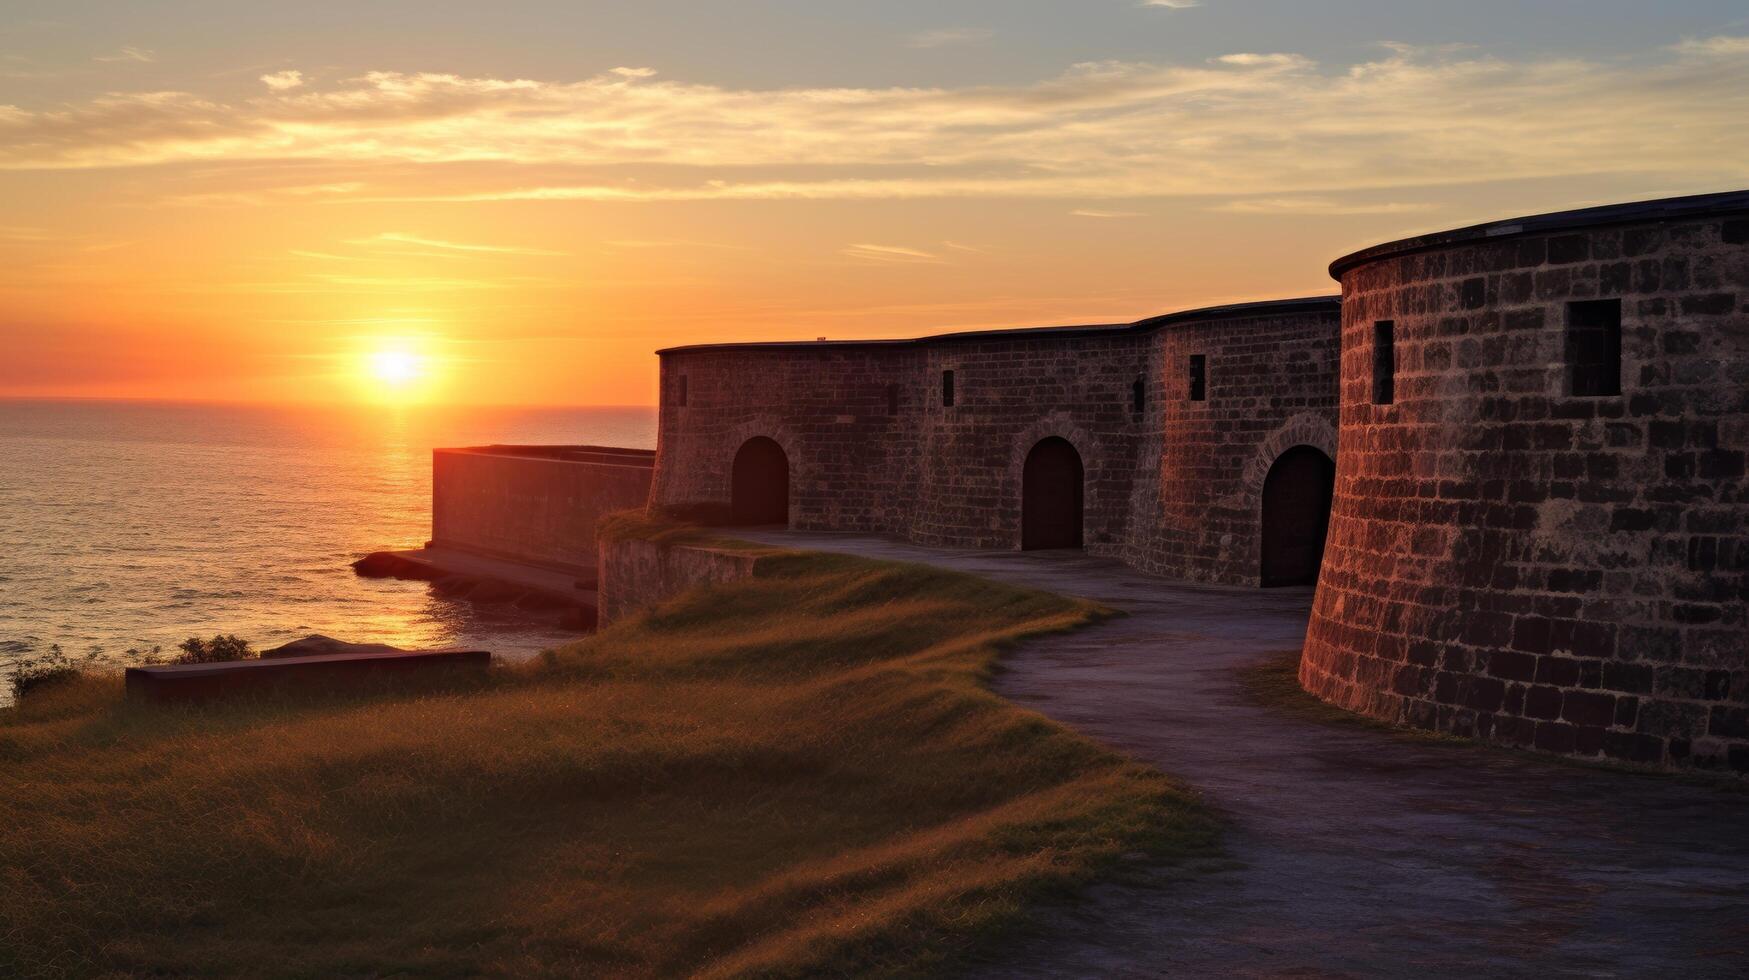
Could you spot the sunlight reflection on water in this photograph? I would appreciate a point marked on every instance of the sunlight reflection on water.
(130, 525)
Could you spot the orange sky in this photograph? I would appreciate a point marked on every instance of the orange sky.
(262, 233)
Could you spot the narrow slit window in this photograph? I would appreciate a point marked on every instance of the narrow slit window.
(1594, 348)
(1199, 377)
(1384, 362)
(1138, 396)
(892, 399)
(947, 388)
(680, 394)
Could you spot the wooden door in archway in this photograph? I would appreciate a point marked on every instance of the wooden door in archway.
(1296, 516)
(1051, 501)
(759, 484)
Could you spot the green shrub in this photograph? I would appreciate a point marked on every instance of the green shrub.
(54, 667)
(220, 649)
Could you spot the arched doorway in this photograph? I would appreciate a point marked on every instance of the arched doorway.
(1296, 515)
(1051, 497)
(759, 484)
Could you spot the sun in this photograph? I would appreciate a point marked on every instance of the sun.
(398, 373)
(396, 368)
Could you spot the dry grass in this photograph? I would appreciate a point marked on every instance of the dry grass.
(797, 774)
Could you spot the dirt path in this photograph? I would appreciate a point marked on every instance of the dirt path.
(1356, 852)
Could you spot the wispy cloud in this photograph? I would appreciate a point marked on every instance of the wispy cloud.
(641, 243)
(947, 36)
(1721, 46)
(1318, 205)
(1172, 4)
(1097, 213)
(283, 81)
(1246, 125)
(889, 253)
(20, 235)
(127, 54)
(398, 238)
(272, 195)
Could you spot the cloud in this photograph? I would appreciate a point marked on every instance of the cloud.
(1172, 4)
(1722, 46)
(950, 36)
(281, 81)
(889, 253)
(18, 234)
(1317, 205)
(398, 238)
(1097, 213)
(624, 72)
(1249, 125)
(128, 54)
(642, 243)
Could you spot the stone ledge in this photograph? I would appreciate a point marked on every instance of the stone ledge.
(331, 672)
(637, 574)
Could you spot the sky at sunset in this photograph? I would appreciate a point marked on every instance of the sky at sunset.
(517, 202)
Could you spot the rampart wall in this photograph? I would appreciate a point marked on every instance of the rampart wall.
(873, 446)
(537, 504)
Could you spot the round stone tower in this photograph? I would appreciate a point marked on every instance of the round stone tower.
(1540, 531)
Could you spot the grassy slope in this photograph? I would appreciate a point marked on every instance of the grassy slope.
(798, 773)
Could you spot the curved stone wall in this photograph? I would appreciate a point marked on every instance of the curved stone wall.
(1513, 561)
(1271, 386)
(873, 447)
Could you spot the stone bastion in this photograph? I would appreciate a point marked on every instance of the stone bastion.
(1540, 532)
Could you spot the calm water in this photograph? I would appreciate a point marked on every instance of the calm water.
(127, 525)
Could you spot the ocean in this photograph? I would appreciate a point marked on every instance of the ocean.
(126, 526)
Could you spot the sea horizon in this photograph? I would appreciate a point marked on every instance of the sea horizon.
(129, 525)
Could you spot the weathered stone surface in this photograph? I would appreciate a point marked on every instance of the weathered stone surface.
(1509, 561)
(533, 504)
(1172, 486)
(331, 673)
(638, 574)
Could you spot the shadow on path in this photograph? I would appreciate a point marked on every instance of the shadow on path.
(1356, 852)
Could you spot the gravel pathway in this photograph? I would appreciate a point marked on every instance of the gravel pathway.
(1354, 852)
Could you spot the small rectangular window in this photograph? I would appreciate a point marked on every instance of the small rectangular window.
(1138, 396)
(892, 399)
(680, 395)
(1384, 362)
(947, 388)
(1199, 377)
(1594, 348)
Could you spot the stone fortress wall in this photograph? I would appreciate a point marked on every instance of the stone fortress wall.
(873, 445)
(533, 504)
(1535, 529)
(1542, 537)
(1538, 532)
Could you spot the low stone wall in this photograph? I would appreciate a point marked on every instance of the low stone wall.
(638, 574)
(533, 504)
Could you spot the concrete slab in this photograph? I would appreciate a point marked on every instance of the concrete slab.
(335, 672)
(1355, 852)
(558, 584)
